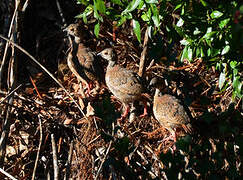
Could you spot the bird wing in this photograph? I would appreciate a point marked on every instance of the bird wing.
(124, 80)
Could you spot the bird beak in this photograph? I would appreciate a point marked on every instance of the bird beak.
(98, 54)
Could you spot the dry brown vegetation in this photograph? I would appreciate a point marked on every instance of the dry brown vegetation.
(43, 121)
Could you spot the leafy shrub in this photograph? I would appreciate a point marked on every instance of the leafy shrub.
(208, 29)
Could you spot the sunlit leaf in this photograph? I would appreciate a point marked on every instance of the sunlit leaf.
(221, 80)
(180, 22)
(100, 4)
(233, 64)
(121, 21)
(237, 85)
(97, 29)
(137, 30)
(155, 20)
(131, 6)
(178, 6)
(204, 3)
(152, 1)
(184, 54)
(146, 16)
(225, 50)
(216, 14)
(224, 22)
(202, 52)
(190, 52)
(184, 42)
(209, 34)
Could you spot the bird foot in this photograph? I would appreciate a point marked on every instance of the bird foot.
(153, 133)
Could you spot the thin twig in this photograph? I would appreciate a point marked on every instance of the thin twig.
(7, 44)
(61, 13)
(9, 94)
(143, 54)
(70, 153)
(45, 70)
(7, 174)
(38, 152)
(54, 155)
(25, 5)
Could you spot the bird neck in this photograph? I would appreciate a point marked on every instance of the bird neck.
(111, 63)
(74, 48)
(77, 39)
(157, 92)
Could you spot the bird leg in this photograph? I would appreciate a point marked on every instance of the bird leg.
(124, 115)
(172, 136)
(88, 86)
(145, 110)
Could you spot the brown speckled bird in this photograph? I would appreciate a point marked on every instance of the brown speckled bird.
(169, 112)
(82, 61)
(125, 85)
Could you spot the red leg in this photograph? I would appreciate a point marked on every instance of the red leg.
(145, 110)
(124, 115)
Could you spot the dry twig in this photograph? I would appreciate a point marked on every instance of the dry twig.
(54, 155)
(7, 174)
(143, 54)
(38, 152)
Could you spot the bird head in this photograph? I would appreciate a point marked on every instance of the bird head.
(107, 54)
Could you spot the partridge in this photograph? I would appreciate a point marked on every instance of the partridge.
(124, 84)
(82, 61)
(169, 112)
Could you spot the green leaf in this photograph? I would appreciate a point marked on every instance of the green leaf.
(198, 52)
(216, 14)
(137, 30)
(184, 42)
(88, 10)
(177, 7)
(235, 72)
(190, 53)
(237, 85)
(84, 2)
(180, 22)
(118, 2)
(202, 52)
(155, 20)
(209, 34)
(225, 50)
(121, 21)
(100, 5)
(184, 54)
(131, 6)
(179, 31)
(96, 14)
(233, 64)
(204, 3)
(196, 31)
(146, 15)
(215, 52)
(151, 1)
(154, 10)
(221, 80)
(97, 29)
(224, 22)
